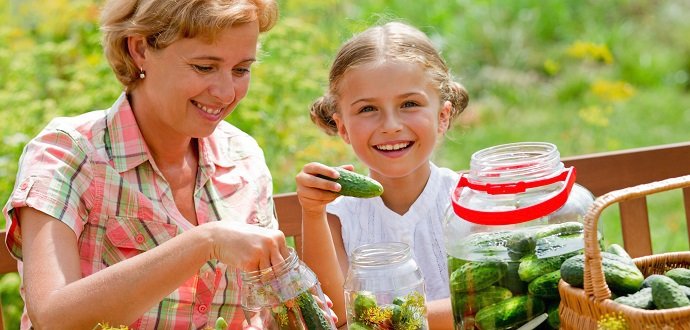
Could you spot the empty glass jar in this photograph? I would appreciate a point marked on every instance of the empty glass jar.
(287, 296)
(384, 289)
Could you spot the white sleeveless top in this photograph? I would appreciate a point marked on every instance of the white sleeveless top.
(368, 220)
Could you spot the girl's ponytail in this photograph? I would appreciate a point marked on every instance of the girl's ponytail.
(458, 96)
(321, 113)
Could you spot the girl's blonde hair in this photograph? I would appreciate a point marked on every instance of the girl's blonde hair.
(162, 22)
(391, 41)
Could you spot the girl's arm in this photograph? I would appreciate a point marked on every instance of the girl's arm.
(440, 314)
(320, 253)
(57, 297)
(322, 244)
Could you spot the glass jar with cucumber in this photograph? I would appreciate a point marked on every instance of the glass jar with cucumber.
(287, 296)
(384, 289)
(514, 218)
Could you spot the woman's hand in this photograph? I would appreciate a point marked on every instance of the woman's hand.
(315, 192)
(247, 247)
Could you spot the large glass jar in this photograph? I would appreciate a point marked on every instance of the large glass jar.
(384, 288)
(286, 296)
(513, 220)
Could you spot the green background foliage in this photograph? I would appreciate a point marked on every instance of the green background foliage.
(587, 75)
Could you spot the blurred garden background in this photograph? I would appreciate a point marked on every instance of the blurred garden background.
(589, 76)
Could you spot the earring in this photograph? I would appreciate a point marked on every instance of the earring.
(142, 73)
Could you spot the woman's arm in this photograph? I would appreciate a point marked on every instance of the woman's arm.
(57, 297)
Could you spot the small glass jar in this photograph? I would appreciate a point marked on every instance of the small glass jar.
(287, 296)
(384, 288)
(515, 217)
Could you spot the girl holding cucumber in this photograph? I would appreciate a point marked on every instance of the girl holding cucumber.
(391, 97)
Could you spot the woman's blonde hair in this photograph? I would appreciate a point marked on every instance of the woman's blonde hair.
(391, 41)
(162, 22)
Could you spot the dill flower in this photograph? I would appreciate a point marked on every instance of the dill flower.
(612, 321)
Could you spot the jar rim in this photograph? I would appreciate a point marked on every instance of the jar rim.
(380, 254)
(273, 271)
(515, 161)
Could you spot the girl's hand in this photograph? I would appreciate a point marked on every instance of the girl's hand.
(329, 303)
(315, 192)
(245, 246)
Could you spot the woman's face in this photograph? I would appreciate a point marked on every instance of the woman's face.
(392, 115)
(193, 84)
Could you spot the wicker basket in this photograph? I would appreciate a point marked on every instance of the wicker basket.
(581, 309)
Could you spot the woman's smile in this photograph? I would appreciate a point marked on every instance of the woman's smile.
(209, 109)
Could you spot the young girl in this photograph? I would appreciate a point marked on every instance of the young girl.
(391, 97)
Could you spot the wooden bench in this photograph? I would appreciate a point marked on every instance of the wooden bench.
(599, 172)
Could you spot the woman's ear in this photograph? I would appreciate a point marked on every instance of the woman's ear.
(136, 45)
(342, 130)
(444, 117)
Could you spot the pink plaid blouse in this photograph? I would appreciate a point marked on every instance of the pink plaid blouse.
(92, 172)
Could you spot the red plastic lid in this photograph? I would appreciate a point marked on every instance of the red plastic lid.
(520, 215)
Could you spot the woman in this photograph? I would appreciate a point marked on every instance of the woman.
(143, 213)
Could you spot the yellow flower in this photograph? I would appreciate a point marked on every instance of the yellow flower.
(612, 90)
(597, 52)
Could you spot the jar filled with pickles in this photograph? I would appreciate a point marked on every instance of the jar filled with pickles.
(514, 218)
(384, 289)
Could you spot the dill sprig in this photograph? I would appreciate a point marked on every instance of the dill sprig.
(612, 321)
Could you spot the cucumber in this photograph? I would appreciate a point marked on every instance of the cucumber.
(686, 290)
(641, 299)
(363, 301)
(521, 243)
(532, 267)
(359, 326)
(619, 251)
(511, 280)
(509, 313)
(488, 239)
(477, 275)
(564, 228)
(620, 276)
(221, 324)
(312, 314)
(645, 283)
(470, 303)
(554, 320)
(545, 286)
(680, 275)
(356, 185)
(666, 293)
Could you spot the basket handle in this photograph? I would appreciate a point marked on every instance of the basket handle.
(594, 281)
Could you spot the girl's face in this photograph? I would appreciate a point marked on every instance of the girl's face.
(193, 84)
(392, 116)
